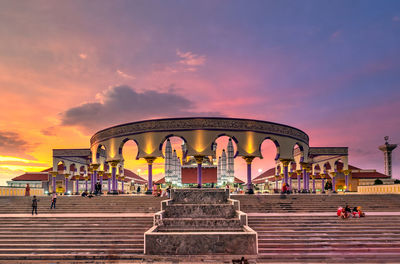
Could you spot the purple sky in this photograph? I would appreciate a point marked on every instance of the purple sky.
(70, 68)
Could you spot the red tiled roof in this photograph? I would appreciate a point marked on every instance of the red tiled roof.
(130, 175)
(32, 177)
(356, 173)
(262, 177)
(208, 175)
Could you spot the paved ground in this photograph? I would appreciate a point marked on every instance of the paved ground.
(151, 214)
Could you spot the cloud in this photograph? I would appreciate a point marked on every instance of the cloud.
(83, 56)
(396, 18)
(12, 144)
(124, 75)
(122, 104)
(336, 34)
(191, 59)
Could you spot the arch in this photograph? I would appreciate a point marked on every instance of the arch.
(82, 169)
(61, 165)
(326, 167)
(316, 169)
(99, 151)
(161, 145)
(276, 143)
(297, 147)
(338, 165)
(292, 166)
(121, 147)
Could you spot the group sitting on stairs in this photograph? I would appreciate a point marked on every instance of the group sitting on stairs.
(346, 212)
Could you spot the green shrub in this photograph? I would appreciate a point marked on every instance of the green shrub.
(397, 181)
(378, 182)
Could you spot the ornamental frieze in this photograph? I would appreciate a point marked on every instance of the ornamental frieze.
(222, 124)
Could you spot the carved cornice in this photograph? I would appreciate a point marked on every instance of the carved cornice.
(182, 124)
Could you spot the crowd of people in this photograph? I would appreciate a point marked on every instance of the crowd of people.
(347, 212)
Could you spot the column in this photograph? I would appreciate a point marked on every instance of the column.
(150, 161)
(199, 161)
(313, 184)
(109, 182)
(101, 173)
(308, 179)
(66, 183)
(346, 179)
(298, 180)
(276, 182)
(323, 182)
(114, 186)
(285, 164)
(77, 184)
(54, 176)
(304, 166)
(249, 160)
(93, 183)
(90, 174)
(290, 180)
(333, 182)
(122, 183)
(86, 183)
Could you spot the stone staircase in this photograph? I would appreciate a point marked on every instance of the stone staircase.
(64, 238)
(298, 203)
(281, 239)
(326, 239)
(78, 204)
(200, 222)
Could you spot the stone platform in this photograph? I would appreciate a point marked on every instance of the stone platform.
(200, 221)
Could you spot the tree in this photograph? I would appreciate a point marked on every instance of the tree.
(378, 182)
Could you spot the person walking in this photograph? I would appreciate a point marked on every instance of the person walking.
(27, 190)
(34, 205)
(53, 200)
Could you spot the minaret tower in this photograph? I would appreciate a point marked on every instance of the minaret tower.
(175, 167)
(387, 154)
(219, 181)
(168, 161)
(223, 167)
(230, 171)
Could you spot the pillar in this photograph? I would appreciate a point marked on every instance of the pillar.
(101, 173)
(313, 184)
(66, 183)
(333, 182)
(122, 184)
(298, 180)
(94, 177)
(77, 184)
(346, 179)
(150, 161)
(249, 160)
(54, 176)
(285, 164)
(276, 182)
(109, 182)
(308, 179)
(290, 180)
(86, 183)
(323, 182)
(199, 161)
(114, 182)
(304, 165)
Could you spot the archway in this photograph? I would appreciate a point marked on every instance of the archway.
(267, 165)
(174, 152)
(225, 151)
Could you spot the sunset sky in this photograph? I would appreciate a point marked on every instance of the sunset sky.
(71, 68)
